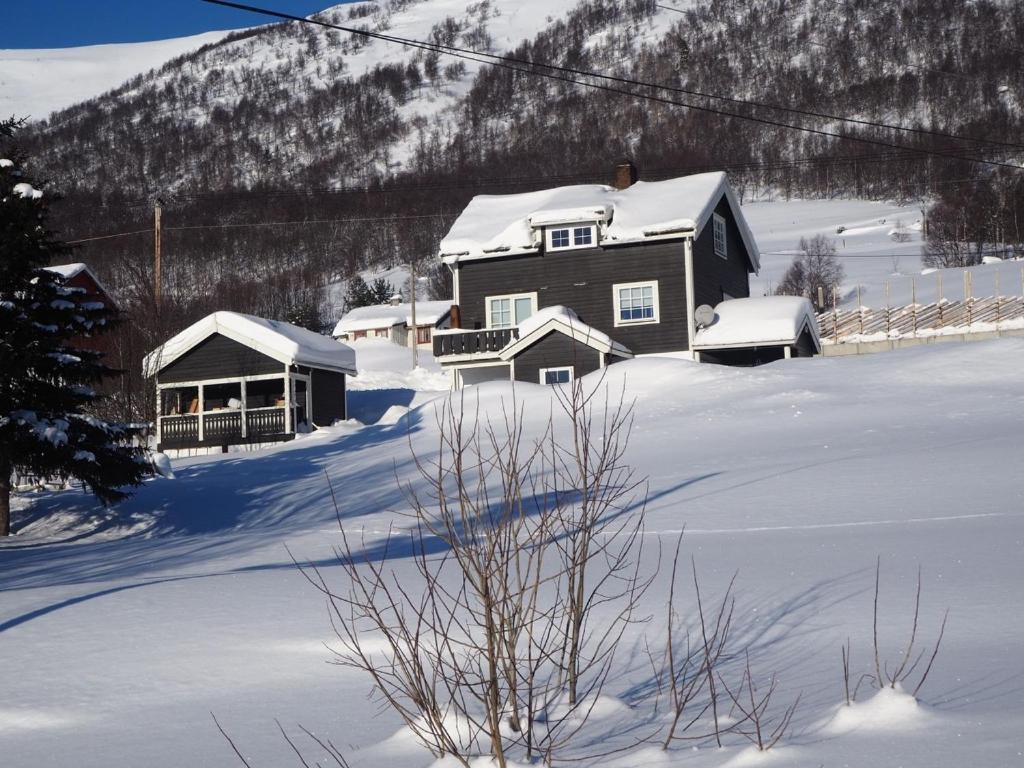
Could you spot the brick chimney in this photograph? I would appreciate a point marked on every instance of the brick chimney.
(626, 174)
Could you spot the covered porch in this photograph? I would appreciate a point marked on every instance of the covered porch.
(232, 411)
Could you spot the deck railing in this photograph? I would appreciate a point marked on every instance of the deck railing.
(473, 342)
(176, 430)
(223, 427)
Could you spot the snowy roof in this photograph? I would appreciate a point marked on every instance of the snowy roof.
(758, 321)
(561, 320)
(499, 225)
(71, 271)
(386, 315)
(287, 343)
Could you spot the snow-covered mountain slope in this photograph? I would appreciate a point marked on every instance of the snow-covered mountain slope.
(185, 600)
(37, 81)
(316, 102)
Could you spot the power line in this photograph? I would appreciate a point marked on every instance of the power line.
(234, 225)
(505, 61)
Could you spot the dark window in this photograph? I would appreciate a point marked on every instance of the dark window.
(560, 238)
(557, 375)
(423, 335)
(583, 236)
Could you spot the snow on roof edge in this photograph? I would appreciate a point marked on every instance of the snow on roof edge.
(643, 211)
(287, 343)
(386, 315)
(564, 320)
(759, 321)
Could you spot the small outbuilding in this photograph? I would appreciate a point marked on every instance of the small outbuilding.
(758, 330)
(394, 321)
(232, 379)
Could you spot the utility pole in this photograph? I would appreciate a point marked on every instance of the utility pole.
(415, 328)
(157, 276)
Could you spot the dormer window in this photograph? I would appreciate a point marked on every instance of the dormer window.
(575, 236)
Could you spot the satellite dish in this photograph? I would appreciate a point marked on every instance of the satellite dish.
(704, 315)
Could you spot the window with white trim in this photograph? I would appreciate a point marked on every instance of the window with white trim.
(636, 303)
(511, 310)
(562, 375)
(572, 236)
(719, 226)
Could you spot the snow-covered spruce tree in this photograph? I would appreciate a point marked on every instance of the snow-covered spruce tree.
(46, 383)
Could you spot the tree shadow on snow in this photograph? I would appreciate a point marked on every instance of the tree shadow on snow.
(213, 509)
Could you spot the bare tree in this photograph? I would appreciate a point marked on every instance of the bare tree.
(949, 235)
(816, 266)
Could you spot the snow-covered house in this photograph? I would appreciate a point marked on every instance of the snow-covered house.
(234, 379)
(759, 330)
(394, 321)
(78, 275)
(635, 269)
(89, 289)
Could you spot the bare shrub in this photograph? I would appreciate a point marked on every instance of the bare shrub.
(495, 647)
(760, 724)
(904, 671)
(690, 663)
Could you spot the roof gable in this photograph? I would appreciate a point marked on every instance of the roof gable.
(559, 319)
(288, 344)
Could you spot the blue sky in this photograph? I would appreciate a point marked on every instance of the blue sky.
(62, 23)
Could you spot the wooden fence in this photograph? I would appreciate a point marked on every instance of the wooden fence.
(964, 316)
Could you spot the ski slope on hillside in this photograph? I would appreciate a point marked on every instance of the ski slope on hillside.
(37, 81)
(123, 629)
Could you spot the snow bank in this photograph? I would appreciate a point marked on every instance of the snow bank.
(287, 343)
(891, 709)
(506, 224)
(758, 320)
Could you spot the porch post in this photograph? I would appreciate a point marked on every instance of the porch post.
(287, 401)
(245, 426)
(159, 412)
(691, 308)
(202, 409)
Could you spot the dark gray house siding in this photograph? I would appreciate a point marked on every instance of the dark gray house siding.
(218, 357)
(555, 350)
(582, 280)
(328, 397)
(805, 346)
(714, 276)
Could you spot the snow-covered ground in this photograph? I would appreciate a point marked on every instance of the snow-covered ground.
(37, 81)
(122, 630)
(865, 246)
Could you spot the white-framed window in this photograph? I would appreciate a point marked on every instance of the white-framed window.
(719, 226)
(561, 238)
(511, 310)
(561, 375)
(636, 303)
